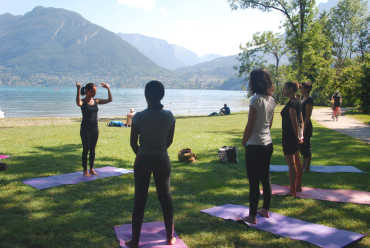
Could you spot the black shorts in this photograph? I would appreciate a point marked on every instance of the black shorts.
(290, 145)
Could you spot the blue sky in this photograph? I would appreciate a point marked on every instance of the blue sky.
(203, 26)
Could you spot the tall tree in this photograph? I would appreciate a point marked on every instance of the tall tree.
(298, 13)
(262, 45)
(348, 25)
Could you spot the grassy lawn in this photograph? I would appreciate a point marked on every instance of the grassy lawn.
(365, 118)
(83, 215)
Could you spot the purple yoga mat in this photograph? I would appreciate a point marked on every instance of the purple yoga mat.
(335, 195)
(74, 178)
(4, 156)
(153, 234)
(281, 225)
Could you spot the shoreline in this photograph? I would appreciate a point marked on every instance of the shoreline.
(9, 122)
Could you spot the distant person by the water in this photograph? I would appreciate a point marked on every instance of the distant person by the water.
(336, 101)
(292, 135)
(258, 142)
(225, 110)
(129, 117)
(89, 131)
(154, 129)
(307, 107)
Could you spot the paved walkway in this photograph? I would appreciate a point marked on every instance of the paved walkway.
(346, 125)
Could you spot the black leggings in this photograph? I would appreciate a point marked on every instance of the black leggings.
(257, 158)
(143, 168)
(89, 137)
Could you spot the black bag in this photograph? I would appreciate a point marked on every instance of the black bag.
(228, 154)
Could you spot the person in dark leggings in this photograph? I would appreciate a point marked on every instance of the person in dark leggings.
(154, 129)
(307, 106)
(292, 136)
(89, 131)
(258, 143)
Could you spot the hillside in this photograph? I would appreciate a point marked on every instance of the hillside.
(49, 46)
(162, 53)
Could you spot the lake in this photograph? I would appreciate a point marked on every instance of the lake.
(60, 102)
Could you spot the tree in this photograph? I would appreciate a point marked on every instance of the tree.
(255, 52)
(348, 24)
(298, 13)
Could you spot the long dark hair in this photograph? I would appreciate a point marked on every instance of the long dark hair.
(87, 87)
(259, 81)
(154, 92)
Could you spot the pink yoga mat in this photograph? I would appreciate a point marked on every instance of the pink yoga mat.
(320, 235)
(4, 156)
(334, 195)
(153, 235)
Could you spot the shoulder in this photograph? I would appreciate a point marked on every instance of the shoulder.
(168, 114)
(255, 100)
(138, 116)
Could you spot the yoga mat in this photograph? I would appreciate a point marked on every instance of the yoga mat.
(4, 156)
(281, 225)
(334, 195)
(319, 168)
(74, 178)
(153, 234)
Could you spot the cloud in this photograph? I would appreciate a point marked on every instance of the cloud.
(141, 4)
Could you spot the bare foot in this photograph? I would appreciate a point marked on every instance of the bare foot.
(86, 173)
(171, 241)
(131, 244)
(299, 189)
(293, 193)
(264, 213)
(250, 219)
(93, 172)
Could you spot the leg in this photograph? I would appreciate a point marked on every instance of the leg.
(252, 173)
(299, 172)
(292, 173)
(85, 149)
(142, 179)
(93, 139)
(162, 172)
(265, 179)
(307, 154)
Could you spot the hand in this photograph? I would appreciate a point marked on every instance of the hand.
(104, 85)
(300, 141)
(78, 85)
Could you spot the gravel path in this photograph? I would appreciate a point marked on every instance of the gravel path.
(346, 125)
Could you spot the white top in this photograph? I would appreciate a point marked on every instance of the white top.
(264, 106)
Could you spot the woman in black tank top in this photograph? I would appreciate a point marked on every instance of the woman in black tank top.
(307, 106)
(89, 131)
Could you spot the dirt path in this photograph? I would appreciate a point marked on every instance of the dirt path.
(346, 125)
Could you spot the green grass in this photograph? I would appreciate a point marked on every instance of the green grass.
(83, 215)
(365, 118)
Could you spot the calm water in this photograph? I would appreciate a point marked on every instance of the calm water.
(59, 102)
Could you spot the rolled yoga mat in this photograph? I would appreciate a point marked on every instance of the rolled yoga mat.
(320, 235)
(320, 168)
(153, 234)
(334, 195)
(74, 178)
(4, 156)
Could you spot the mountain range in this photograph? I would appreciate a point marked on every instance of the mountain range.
(162, 53)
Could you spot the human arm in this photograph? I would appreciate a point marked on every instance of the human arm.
(250, 124)
(78, 96)
(171, 135)
(309, 108)
(134, 138)
(104, 101)
(294, 120)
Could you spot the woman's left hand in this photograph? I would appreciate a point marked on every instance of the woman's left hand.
(104, 85)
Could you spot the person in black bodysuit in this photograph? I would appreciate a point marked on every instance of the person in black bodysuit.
(307, 106)
(154, 129)
(292, 135)
(89, 131)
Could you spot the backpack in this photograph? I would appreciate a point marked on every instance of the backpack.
(228, 154)
(186, 155)
(116, 124)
